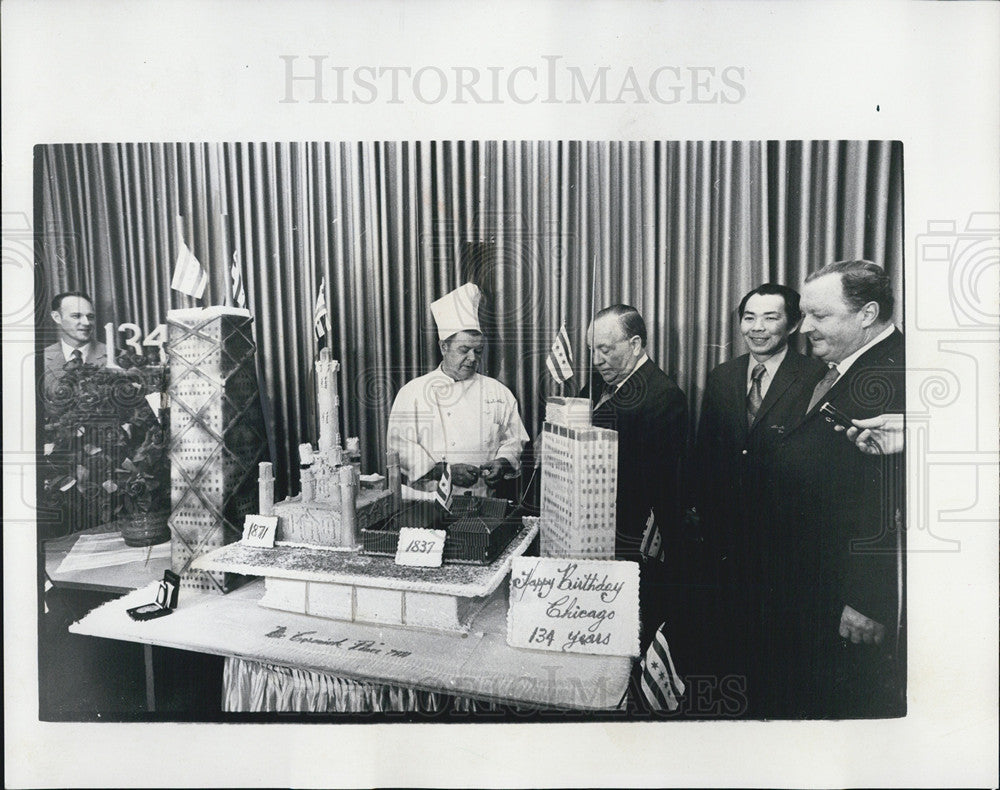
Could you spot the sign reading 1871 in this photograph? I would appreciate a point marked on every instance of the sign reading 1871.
(574, 606)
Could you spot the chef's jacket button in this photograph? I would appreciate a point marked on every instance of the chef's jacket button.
(449, 414)
(745, 452)
(452, 444)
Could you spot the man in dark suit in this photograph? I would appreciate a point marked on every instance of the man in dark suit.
(831, 610)
(749, 403)
(73, 315)
(634, 397)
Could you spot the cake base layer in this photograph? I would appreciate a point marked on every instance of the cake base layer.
(348, 585)
(358, 603)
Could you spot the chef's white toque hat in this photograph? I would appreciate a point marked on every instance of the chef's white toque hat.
(457, 311)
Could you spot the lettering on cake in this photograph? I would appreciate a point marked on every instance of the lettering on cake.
(344, 643)
(574, 606)
(422, 548)
(260, 530)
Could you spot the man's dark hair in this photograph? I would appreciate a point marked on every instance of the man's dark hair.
(448, 340)
(790, 295)
(863, 282)
(629, 320)
(57, 300)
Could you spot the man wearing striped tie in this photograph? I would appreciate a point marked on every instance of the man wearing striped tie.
(73, 315)
(831, 640)
(749, 402)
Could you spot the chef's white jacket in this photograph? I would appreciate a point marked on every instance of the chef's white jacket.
(435, 418)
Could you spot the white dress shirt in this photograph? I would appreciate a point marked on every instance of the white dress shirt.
(771, 365)
(86, 351)
(845, 364)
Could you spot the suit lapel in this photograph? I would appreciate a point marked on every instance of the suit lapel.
(54, 356)
(626, 393)
(841, 387)
(738, 397)
(788, 371)
(880, 353)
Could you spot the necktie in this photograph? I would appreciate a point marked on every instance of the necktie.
(75, 359)
(605, 397)
(754, 396)
(823, 386)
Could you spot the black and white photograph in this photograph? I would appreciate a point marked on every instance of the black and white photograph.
(410, 431)
(621, 352)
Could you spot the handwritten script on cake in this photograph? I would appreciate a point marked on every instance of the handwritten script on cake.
(348, 644)
(259, 530)
(423, 548)
(574, 606)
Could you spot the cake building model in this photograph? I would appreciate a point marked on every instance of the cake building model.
(333, 505)
(217, 436)
(579, 482)
(326, 559)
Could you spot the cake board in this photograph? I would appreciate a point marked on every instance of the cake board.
(364, 588)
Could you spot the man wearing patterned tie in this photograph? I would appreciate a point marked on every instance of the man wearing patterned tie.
(73, 314)
(831, 638)
(749, 402)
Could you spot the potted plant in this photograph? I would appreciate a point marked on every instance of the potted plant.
(106, 449)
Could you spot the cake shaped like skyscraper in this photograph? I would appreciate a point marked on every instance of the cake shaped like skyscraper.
(332, 506)
(579, 482)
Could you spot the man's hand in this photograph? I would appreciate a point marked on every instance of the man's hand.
(858, 628)
(886, 429)
(464, 475)
(495, 469)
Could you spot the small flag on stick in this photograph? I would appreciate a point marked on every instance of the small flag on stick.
(661, 685)
(239, 295)
(560, 358)
(319, 314)
(651, 547)
(189, 276)
(443, 492)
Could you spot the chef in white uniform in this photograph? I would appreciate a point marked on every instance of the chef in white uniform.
(453, 415)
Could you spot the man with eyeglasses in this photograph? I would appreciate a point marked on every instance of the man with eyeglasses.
(634, 397)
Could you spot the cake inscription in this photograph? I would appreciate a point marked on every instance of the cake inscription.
(344, 643)
(581, 606)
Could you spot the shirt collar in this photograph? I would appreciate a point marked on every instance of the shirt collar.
(639, 363)
(771, 364)
(68, 350)
(845, 364)
(439, 374)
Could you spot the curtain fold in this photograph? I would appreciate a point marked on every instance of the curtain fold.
(550, 231)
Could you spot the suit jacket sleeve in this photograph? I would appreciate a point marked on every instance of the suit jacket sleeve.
(665, 426)
(707, 444)
(872, 506)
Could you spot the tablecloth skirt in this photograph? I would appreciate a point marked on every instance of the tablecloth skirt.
(257, 687)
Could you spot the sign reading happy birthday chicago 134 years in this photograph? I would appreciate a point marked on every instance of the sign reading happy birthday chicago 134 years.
(574, 606)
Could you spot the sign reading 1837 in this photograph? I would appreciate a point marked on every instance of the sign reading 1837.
(574, 606)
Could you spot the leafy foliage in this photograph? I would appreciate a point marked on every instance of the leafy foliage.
(105, 444)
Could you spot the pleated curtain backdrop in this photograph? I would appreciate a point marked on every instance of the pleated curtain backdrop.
(550, 231)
